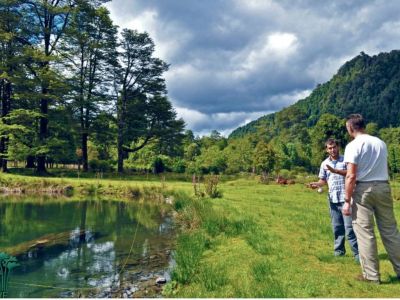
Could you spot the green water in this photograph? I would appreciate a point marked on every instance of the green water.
(105, 244)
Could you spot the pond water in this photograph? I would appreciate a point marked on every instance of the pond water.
(90, 248)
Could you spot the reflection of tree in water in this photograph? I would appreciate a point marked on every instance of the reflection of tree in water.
(97, 247)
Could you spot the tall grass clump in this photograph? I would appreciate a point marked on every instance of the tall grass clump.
(181, 200)
(216, 222)
(187, 256)
(212, 277)
(90, 189)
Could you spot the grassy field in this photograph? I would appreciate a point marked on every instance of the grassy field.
(267, 241)
(256, 241)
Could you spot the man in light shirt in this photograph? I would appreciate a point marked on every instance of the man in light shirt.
(367, 182)
(332, 172)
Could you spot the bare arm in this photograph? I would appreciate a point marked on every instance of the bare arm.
(350, 183)
(336, 171)
(317, 184)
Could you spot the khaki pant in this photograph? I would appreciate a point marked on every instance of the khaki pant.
(375, 199)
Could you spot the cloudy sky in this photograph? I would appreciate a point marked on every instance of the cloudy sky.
(233, 61)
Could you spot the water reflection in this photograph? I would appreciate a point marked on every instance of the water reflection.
(81, 247)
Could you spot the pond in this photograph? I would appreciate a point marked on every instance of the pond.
(92, 248)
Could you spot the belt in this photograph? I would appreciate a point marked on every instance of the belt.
(373, 181)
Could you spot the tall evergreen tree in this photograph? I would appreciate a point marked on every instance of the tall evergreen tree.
(50, 19)
(91, 49)
(143, 111)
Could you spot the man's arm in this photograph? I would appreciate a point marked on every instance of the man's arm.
(350, 183)
(317, 184)
(336, 171)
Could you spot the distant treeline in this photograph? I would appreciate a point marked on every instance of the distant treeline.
(74, 90)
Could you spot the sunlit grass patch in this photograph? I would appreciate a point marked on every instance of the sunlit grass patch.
(187, 256)
(212, 277)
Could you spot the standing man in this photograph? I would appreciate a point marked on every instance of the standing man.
(332, 172)
(367, 182)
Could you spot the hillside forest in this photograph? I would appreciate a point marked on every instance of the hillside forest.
(77, 90)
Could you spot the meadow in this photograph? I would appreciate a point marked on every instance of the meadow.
(256, 240)
(267, 241)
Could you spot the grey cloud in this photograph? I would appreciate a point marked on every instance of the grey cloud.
(208, 66)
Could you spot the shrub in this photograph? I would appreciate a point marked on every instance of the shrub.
(101, 165)
(211, 186)
(158, 165)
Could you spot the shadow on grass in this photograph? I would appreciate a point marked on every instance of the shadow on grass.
(383, 256)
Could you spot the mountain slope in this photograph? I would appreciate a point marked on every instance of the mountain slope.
(369, 85)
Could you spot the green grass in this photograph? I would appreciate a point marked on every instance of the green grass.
(256, 241)
(270, 241)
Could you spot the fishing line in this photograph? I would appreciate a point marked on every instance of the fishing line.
(133, 242)
(52, 287)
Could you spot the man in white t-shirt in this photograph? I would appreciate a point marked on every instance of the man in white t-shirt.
(367, 182)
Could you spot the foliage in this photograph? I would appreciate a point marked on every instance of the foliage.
(211, 186)
(264, 157)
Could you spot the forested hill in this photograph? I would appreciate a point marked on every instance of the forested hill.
(369, 85)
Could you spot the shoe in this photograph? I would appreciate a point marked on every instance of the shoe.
(357, 259)
(363, 279)
(339, 253)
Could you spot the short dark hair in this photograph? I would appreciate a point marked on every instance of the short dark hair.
(331, 141)
(356, 121)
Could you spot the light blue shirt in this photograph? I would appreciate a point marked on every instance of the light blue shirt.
(335, 181)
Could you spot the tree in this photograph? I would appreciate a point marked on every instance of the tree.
(90, 47)
(49, 21)
(239, 155)
(143, 110)
(328, 126)
(372, 129)
(264, 158)
(11, 73)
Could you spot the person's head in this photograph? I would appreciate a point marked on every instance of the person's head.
(332, 148)
(355, 123)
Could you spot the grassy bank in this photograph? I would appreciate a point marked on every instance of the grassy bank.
(132, 186)
(256, 241)
(266, 241)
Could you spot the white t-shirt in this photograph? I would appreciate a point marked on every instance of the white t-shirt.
(369, 153)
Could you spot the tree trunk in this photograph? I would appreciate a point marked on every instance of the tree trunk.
(120, 139)
(85, 152)
(120, 154)
(30, 162)
(41, 159)
(41, 166)
(5, 109)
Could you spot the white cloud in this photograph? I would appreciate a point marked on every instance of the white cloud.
(225, 123)
(284, 100)
(273, 49)
(168, 37)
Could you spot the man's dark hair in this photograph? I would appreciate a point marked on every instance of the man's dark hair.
(356, 121)
(331, 141)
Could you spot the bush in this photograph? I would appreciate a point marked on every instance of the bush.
(158, 165)
(101, 165)
(178, 166)
(211, 186)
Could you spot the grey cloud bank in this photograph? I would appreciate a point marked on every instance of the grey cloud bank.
(234, 61)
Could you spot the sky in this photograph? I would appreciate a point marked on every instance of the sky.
(233, 61)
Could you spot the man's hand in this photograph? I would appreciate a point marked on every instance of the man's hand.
(332, 170)
(313, 185)
(346, 209)
(336, 171)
